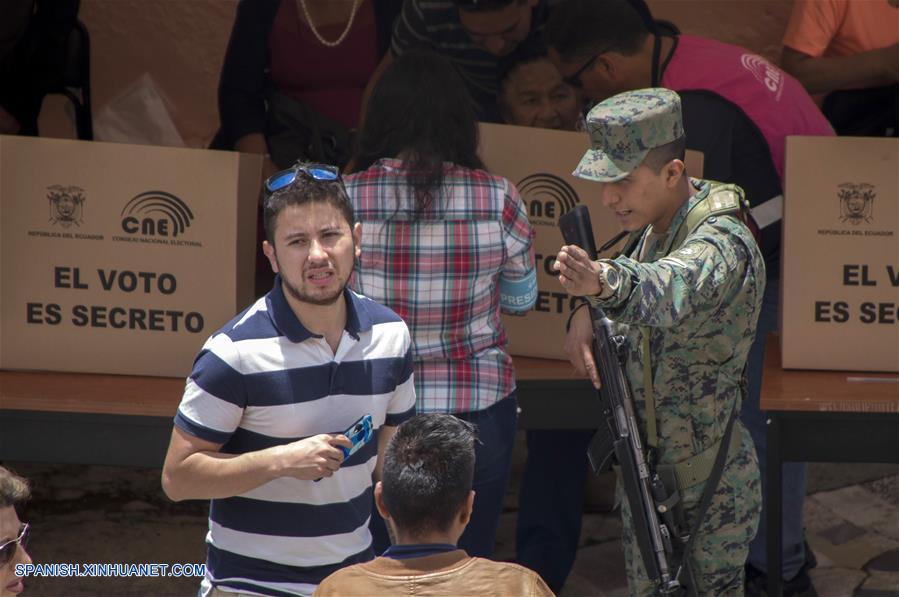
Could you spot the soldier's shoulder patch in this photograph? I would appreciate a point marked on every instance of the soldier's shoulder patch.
(697, 250)
(673, 261)
(723, 200)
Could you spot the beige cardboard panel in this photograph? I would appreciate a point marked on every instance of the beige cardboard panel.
(158, 226)
(539, 162)
(840, 284)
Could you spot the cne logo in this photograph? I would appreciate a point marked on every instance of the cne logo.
(766, 73)
(156, 213)
(66, 205)
(547, 197)
(856, 202)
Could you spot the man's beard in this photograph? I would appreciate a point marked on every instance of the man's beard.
(305, 298)
(320, 301)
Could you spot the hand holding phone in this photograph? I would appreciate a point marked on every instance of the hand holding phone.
(359, 433)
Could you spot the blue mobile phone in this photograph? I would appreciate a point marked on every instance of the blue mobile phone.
(359, 433)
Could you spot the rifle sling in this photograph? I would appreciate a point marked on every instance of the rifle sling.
(699, 467)
(652, 434)
(709, 490)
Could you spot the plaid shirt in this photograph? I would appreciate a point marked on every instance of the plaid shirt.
(441, 274)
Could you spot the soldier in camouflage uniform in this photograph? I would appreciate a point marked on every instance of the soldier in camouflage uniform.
(697, 299)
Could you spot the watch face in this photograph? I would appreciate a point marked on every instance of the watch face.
(612, 277)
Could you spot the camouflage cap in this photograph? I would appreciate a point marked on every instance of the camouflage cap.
(625, 127)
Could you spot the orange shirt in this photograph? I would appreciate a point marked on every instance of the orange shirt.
(841, 27)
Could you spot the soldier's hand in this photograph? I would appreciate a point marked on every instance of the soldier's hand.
(578, 346)
(314, 457)
(577, 272)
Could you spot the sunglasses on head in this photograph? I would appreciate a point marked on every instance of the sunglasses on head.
(285, 178)
(8, 549)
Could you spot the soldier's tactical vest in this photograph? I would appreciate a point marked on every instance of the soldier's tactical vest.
(721, 200)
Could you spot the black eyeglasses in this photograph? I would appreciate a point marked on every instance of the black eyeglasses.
(285, 178)
(8, 549)
(575, 79)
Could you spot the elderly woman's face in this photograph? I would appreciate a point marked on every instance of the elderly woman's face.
(534, 94)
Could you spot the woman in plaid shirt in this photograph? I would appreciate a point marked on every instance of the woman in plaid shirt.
(446, 245)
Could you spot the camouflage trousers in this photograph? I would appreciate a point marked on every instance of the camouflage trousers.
(722, 545)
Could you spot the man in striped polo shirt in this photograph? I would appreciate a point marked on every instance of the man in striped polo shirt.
(261, 423)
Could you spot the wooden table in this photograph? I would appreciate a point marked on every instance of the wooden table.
(552, 396)
(85, 418)
(127, 420)
(822, 416)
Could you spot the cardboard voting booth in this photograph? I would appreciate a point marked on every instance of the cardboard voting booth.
(539, 162)
(840, 274)
(120, 258)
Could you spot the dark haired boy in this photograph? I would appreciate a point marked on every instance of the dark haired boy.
(425, 496)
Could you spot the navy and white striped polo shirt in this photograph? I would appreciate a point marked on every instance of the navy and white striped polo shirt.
(264, 380)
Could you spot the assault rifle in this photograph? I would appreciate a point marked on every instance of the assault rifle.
(620, 437)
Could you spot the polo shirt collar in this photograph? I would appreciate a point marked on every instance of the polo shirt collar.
(419, 550)
(358, 318)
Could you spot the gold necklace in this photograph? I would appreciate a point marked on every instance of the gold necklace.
(346, 31)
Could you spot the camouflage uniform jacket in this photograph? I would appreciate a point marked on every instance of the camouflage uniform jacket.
(700, 304)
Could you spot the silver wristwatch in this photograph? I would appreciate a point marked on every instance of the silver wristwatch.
(609, 280)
